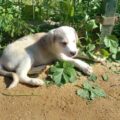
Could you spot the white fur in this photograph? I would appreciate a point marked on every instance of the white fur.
(23, 55)
(69, 33)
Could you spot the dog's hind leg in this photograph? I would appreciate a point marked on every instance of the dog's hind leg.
(10, 74)
(37, 69)
(23, 70)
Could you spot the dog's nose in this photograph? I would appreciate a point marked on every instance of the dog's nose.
(73, 53)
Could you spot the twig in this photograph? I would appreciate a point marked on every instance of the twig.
(9, 94)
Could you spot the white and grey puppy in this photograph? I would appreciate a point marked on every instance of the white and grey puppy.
(30, 53)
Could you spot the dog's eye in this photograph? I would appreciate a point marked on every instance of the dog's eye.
(64, 43)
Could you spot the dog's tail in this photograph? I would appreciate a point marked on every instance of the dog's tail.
(10, 74)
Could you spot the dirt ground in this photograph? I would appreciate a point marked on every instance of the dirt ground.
(61, 103)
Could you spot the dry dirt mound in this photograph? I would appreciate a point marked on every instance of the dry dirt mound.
(54, 103)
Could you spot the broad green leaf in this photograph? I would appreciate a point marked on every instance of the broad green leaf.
(67, 64)
(87, 85)
(57, 76)
(66, 78)
(105, 77)
(92, 95)
(71, 73)
(105, 53)
(86, 17)
(113, 50)
(98, 92)
(107, 42)
(114, 56)
(83, 93)
(80, 1)
(111, 41)
(90, 47)
(91, 24)
(62, 72)
(92, 77)
(90, 91)
(79, 73)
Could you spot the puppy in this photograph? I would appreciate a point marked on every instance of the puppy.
(30, 54)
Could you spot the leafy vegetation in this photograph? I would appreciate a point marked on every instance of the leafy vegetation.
(92, 77)
(90, 91)
(11, 23)
(111, 43)
(105, 77)
(62, 72)
(18, 18)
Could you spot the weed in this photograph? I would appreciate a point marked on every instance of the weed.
(105, 77)
(62, 72)
(92, 77)
(90, 91)
(21, 18)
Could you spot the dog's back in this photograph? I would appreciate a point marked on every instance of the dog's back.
(15, 51)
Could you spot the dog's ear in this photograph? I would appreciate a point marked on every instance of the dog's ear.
(47, 39)
(51, 36)
(56, 34)
(59, 35)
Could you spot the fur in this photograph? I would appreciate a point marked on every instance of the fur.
(30, 53)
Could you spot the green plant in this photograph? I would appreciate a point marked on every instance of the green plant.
(11, 23)
(111, 43)
(105, 77)
(20, 18)
(62, 72)
(90, 91)
(92, 77)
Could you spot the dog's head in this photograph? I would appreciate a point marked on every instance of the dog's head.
(64, 41)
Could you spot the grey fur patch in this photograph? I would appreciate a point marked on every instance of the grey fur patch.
(59, 35)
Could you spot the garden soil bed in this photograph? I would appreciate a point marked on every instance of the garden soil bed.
(61, 103)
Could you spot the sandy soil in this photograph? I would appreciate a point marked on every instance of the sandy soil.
(54, 103)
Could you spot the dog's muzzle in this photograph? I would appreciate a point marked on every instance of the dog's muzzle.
(73, 53)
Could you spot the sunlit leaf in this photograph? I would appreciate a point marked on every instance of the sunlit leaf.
(83, 93)
(105, 53)
(105, 77)
(90, 91)
(62, 72)
(111, 41)
(92, 77)
(91, 24)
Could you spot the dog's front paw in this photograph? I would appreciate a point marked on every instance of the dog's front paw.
(36, 82)
(87, 70)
